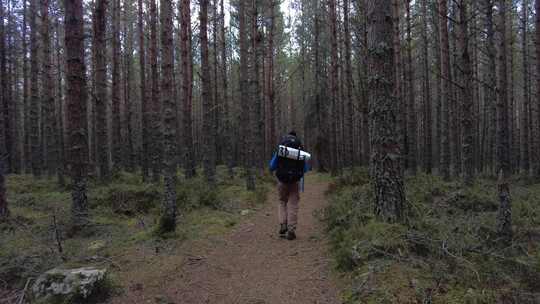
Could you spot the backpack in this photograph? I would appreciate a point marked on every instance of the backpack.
(290, 171)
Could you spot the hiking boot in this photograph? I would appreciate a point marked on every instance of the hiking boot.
(283, 229)
(291, 235)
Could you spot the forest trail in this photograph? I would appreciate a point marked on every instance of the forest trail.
(253, 265)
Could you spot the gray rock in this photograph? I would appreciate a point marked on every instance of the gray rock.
(67, 283)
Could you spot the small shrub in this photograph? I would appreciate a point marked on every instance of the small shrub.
(127, 199)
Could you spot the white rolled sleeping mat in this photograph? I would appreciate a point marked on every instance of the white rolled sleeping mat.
(292, 153)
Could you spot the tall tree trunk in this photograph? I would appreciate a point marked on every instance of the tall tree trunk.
(227, 140)
(426, 94)
(491, 84)
(145, 103)
(155, 108)
(321, 145)
(217, 101)
(445, 90)
(4, 211)
(398, 83)
(168, 216)
(455, 95)
(536, 127)
(27, 158)
(115, 89)
(100, 49)
(513, 150)
(257, 123)
(245, 103)
(467, 102)
(365, 134)
(270, 97)
(187, 83)
(34, 134)
(411, 108)
(334, 82)
(504, 218)
(76, 110)
(128, 148)
(209, 154)
(349, 125)
(60, 107)
(525, 126)
(438, 84)
(390, 203)
(48, 101)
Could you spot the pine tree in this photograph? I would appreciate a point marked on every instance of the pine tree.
(426, 94)
(34, 106)
(168, 216)
(48, 101)
(525, 126)
(76, 110)
(209, 154)
(491, 83)
(145, 103)
(412, 137)
(187, 84)
(390, 203)
(445, 91)
(244, 98)
(116, 139)
(155, 132)
(536, 126)
(4, 211)
(99, 42)
(467, 102)
(504, 217)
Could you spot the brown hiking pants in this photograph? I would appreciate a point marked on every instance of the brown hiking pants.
(289, 197)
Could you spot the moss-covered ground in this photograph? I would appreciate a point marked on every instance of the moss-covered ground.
(121, 235)
(448, 252)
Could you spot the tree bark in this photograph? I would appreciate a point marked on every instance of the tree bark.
(4, 211)
(145, 103)
(426, 94)
(76, 98)
(257, 123)
(412, 136)
(349, 86)
(334, 82)
(398, 78)
(187, 84)
(48, 101)
(504, 218)
(155, 108)
(390, 203)
(115, 89)
(100, 49)
(467, 102)
(525, 126)
(34, 107)
(244, 98)
(536, 127)
(226, 107)
(491, 84)
(209, 154)
(445, 90)
(169, 212)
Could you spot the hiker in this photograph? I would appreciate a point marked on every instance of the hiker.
(289, 172)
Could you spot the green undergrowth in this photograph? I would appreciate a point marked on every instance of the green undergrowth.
(123, 217)
(447, 252)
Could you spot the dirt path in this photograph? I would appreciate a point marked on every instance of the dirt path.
(252, 265)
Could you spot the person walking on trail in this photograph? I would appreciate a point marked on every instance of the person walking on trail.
(289, 173)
